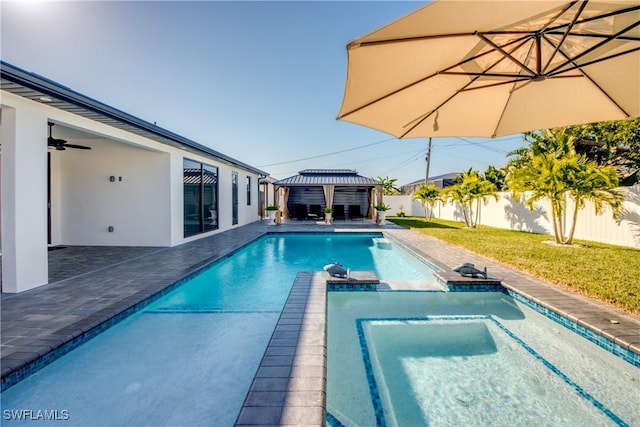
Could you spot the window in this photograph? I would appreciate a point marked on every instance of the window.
(200, 198)
(234, 198)
(248, 191)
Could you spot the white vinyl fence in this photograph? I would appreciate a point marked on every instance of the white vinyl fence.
(511, 214)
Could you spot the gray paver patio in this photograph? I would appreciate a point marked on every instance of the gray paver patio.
(90, 285)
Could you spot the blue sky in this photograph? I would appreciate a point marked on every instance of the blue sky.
(259, 81)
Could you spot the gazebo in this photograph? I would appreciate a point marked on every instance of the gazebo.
(307, 194)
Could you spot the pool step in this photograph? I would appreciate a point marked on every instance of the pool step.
(412, 285)
(455, 282)
(382, 243)
(357, 281)
(368, 281)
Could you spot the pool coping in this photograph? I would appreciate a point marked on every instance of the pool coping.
(290, 384)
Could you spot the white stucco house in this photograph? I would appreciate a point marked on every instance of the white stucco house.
(137, 185)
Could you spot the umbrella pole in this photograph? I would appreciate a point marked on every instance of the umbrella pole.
(426, 177)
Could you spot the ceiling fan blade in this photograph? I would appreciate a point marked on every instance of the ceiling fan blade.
(56, 141)
(82, 147)
(61, 144)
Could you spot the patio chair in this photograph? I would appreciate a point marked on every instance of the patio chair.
(338, 212)
(300, 211)
(354, 213)
(315, 212)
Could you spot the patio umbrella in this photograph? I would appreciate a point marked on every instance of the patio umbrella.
(493, 68)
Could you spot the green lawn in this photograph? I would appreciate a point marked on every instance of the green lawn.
(604, 272)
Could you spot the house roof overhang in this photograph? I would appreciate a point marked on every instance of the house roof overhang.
(40, 89)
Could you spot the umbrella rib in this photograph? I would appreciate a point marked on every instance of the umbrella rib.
(596, 17)
(529, 34)
(551, 30)
(565, 35)
(387, 95)
(514, 81)
(594, 47)
(598, 36)
(521, 41)
(551, 20)
(505, 53)
(587, 76)
(356, 44)
(484, 74)
(418, 120)
(537, 34)
(595, 61)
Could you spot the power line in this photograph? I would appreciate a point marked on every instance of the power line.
(413, 157)
(479, 144)
(327, 154)
(375, 158)
(352, 162)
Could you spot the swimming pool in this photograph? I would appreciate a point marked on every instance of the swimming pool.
(429, 358)
(189, 357)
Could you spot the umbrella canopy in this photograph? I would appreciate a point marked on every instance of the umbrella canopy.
(493, 68)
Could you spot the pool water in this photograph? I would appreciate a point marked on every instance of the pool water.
(442, 359)
(188, 358)
(260, 276)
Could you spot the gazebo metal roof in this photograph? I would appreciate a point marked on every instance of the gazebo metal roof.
(340, 177)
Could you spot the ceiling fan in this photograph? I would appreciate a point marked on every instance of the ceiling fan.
(61, 144)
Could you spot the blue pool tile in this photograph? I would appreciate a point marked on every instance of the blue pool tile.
(584, 332)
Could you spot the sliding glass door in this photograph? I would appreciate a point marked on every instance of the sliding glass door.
(200, 184)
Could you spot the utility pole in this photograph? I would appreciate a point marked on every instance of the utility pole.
(426, 177)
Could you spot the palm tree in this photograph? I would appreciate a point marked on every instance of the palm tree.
(542, 176)
(496, 177)
(471, 187)
(388, 186)
(547, 176)
(595, 184)
(557, 142)
(456, 194)
(428, 194)
(613, 143)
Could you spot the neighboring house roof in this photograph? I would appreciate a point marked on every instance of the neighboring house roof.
(267, 180)
(311, 177)
(439, 181)
(40, 89)
(451, 176)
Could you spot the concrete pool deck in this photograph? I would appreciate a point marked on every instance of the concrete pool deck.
(92, 285)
